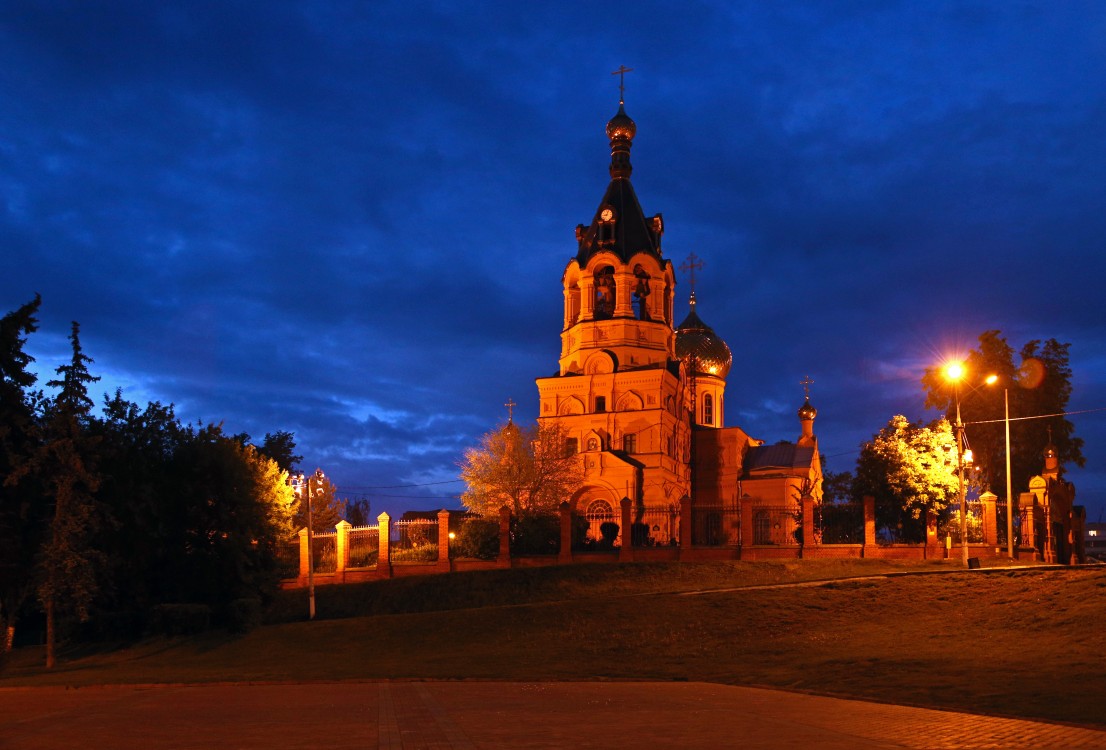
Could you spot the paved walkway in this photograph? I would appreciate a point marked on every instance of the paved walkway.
(470, 715)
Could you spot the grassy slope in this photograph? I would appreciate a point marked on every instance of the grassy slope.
(1026, 643)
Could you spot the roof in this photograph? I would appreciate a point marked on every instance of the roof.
(783, 457)
(634, 232)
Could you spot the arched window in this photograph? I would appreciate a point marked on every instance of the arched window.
(762, 527)
(641, 293)
(708, 409)
(604, 293)
(598, 513)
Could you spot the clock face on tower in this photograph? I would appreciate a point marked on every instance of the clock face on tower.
(606, 214)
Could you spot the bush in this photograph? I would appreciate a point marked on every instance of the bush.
(534, 534)
(479, 538)
(181, 619)
(243, 615)
(423, 553)
(609, 530)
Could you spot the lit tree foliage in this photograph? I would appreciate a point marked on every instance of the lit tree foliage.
(1039, 384)
(525, 468)
(909, 468)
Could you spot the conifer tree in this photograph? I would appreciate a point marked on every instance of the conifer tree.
(65, 464)
(21, 509)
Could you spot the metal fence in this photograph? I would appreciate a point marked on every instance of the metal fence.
(949, 522)
(775, 524)
(716, 526)
(415, 540)
(656, 527)
(839, 523)
(288, 559)
(325, 552)
(364, 546)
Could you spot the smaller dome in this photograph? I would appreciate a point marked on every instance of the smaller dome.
(701, 348)
(807, 411)
(621, 126)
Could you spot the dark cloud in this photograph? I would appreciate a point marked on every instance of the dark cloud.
(349, 220)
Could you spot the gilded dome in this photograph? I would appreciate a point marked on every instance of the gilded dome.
(703, 349)
(807, 411)
(621, 126)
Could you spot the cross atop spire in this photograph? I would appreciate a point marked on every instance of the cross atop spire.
(806, 383)
(690, 265)
(510, 409)
(621, 73)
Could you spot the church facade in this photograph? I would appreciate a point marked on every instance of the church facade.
(642, 398)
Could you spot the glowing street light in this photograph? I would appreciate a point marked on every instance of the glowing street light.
(954, 371)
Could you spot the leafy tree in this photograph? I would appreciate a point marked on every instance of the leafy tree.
(908, 468)
(525, 468)
(281, 447)
(358, 512)
(1039, 384)
(66, 465)
(22, 510)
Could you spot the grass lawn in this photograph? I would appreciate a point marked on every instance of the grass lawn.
(1028, 643)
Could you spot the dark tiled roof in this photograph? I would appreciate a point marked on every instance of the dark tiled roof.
(633, 231)
(782, 457)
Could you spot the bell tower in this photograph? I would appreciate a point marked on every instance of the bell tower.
(618, 290)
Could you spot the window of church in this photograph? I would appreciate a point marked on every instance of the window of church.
(629, 443)
(572, 446)
(708, 409)
(598, 513)
(641, 293)
(600, 404)
(604, 293)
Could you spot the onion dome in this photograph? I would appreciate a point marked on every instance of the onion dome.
(701, 348)
(621, 127)
(807, 411)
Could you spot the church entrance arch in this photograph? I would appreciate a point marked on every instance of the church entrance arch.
(599, 512)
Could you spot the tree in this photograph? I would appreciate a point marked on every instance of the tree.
(1039, 385)
(65, 463)
(908, 468)
(22, 511)
(281, 447)
(526, 468)
(327, 509)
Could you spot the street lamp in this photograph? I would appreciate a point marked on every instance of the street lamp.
(305, 486)
(954, 371)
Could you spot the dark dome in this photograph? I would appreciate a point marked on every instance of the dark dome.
(807, 411)
(621, 126)
(701, 348)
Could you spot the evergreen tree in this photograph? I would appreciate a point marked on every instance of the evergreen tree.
(65, 463)
(22, 512)
(281, 447)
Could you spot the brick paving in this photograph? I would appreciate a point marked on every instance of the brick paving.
(478, 715)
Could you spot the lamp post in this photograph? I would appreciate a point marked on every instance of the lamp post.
(955, 372)
(1009, 482)
(306, 487)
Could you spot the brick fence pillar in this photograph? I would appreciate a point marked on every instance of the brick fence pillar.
(384, 553)
(810, 538)
(341, 549)
(443, 541)
(869, 521)
(626, 553)
(565, 555)
(504, 558)
(304, 556)
(990, 518)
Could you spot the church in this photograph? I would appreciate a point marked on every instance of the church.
(643, 399)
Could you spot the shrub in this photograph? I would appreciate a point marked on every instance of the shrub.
(181, 619)
(243, 615)
(609, 530)
(479, 538)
